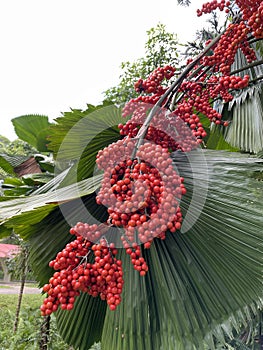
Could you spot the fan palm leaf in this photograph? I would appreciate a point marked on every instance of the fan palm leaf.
(245, 112)
(200, 283)
(79, 135)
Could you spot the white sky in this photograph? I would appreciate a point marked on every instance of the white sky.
(57, 54)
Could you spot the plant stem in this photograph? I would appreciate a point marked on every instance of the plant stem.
(251, 65)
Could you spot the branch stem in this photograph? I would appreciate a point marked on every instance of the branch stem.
(251, 65)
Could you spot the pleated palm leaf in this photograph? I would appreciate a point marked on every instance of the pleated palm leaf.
(201, 282)
(245, 111)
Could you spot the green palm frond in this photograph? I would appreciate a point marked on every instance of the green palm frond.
(31, 209)
(75, 129)
(245, 111)
(246, 129)
(77, 137)
(53, 184)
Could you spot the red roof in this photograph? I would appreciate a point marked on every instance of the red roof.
(7, 250)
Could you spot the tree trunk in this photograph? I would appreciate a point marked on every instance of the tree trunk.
(23, 280)
(260, 330)
(44, 331)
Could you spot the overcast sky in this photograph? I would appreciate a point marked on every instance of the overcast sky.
(57, 54)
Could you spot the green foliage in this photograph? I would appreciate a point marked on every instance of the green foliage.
(35, 208)
(248, 338)
(184, 2)
(28, 334)
(161, 48)
(12, 154)
(33, 129)
(217, 141)
(5, 165)
(17, 148)
(96, 346)
(14, 187)
(63, 125)
(3, 141)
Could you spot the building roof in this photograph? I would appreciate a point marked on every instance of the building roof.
(7, 250)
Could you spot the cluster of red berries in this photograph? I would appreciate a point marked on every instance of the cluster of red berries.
(252, 13)
(91, 233)
(133, 105)
(166, 129)
(141, 193)
(197, 97)
(208, 7)
(153, 83)
(234, 38)
(254, 16)
(233, 82)
(83, 266)
(135, 253)
(248, 7)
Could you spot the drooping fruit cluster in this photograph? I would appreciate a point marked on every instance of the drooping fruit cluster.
(135, 253)
(233, 82)
(141, 193)
(83, 266)
(182, 129)
(248, 21)
(140, 187)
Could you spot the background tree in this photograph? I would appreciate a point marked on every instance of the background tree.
(26, 164)
(161, 48)
(14, 148)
